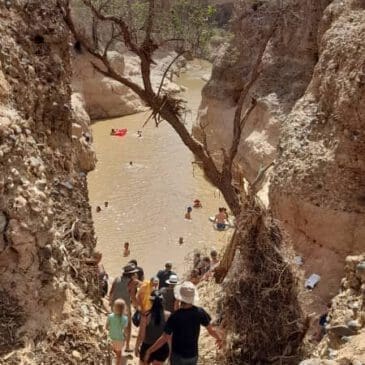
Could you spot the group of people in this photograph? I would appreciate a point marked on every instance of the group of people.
(165, 312)
(203, 267)
(98, 208)
(220, 220)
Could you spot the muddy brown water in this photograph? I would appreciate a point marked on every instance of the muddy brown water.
(147, 201)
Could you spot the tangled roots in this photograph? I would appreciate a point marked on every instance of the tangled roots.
(262, 316)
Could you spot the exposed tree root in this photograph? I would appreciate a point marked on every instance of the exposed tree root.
(262, 314)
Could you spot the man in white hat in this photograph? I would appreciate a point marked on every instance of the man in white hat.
(183, 327)
(169, 301)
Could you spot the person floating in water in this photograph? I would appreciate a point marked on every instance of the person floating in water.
(106, 204)
(98, 209)
(181, 240)
(112, 132)
(220, 219)
(126, 251)
(188, 213)
(197, 204)
(130, 163)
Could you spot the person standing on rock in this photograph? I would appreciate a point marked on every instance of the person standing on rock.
(183, 328)
(163, 275)
(115, 325)
(121, 290)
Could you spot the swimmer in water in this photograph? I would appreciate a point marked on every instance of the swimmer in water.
(112, 132)
(139, 133)
(188, 213)
(106, 204)
(197, 204)
(181, 240)
(220, 219)
(126, 251)
(130, 163)
(98, 209)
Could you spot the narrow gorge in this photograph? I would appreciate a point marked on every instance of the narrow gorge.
(277, 135)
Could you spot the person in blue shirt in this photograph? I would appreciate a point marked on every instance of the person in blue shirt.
(116, 324)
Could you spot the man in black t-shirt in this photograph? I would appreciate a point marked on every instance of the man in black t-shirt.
(164, 275)
(184, 328)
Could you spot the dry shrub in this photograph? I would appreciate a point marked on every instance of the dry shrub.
(262, 315)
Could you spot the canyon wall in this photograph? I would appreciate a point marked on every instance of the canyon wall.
(46, 231)
(319, 184)
(310, 97)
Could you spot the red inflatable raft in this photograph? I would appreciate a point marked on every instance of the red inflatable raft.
(120, 132)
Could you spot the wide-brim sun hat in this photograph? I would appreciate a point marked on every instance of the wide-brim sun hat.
(130, 269)
(173, 279)
(186, 292)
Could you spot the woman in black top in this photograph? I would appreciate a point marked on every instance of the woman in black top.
(151, 328)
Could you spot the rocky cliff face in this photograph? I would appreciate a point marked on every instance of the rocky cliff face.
(310, 96)
(103, 97)
(285, 72)
(46, 231)
(319, 184)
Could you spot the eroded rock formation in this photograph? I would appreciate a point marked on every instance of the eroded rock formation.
(310, 95)
(319, 184)
(46, 231)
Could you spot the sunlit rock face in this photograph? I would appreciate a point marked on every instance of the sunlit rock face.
(308, 121)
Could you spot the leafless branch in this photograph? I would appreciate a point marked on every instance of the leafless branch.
(239, 122)
(167, 70)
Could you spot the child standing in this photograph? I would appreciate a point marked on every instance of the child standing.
(115, 324)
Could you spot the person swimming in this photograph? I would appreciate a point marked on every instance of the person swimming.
(126, 251)
(139, 133)
(130, 163)
(188, 213)
(197, 204)
(98, 209)
(112, 132)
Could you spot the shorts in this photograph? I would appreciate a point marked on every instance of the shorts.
(178, 360)
(117, 345)
(221, 226)
(160, 355)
